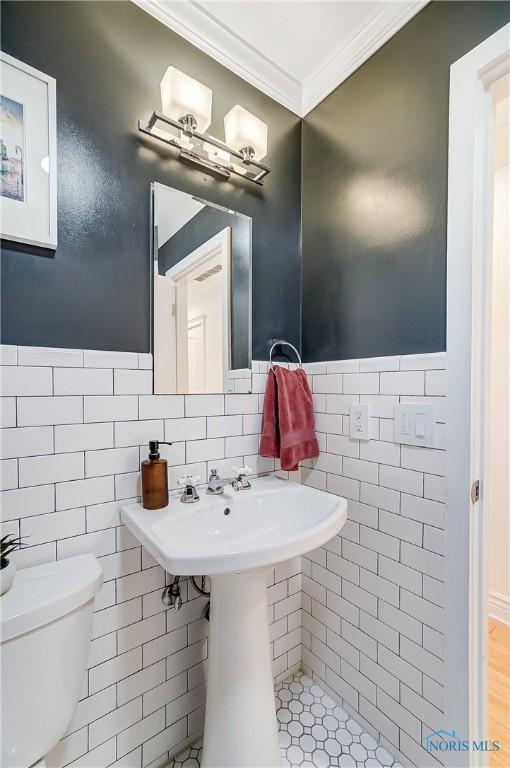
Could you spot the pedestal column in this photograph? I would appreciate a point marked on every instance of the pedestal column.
(240, 721)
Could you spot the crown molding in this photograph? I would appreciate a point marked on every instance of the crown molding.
(195, 25)
(192, 22)
(347, 58)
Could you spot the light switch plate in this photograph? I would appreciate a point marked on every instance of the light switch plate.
(414, 424)
(359, 422)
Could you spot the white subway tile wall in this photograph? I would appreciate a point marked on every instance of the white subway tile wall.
(372, 598)
(363, 614)
(75, 428)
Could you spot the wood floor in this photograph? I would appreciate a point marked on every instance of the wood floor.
(499, 692)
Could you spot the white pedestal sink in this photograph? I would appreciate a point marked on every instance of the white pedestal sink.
(234, 538)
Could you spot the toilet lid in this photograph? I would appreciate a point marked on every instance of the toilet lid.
(46, 592)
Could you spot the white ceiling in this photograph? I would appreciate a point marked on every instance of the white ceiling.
(295, 51)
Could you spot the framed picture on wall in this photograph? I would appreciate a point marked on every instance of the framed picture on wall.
(28, 154)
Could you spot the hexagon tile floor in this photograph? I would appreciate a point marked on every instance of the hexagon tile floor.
(314, 732)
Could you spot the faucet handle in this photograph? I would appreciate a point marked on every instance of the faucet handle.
(241, 482)
(189, 494)
(244, 470)
(188, 480)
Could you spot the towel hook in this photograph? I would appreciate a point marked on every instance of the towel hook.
(279, 342)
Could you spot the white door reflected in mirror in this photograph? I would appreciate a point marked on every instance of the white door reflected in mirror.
(196, 356)
(192, 320)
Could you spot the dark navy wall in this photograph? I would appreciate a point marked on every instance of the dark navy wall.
(108, 59)
(375, 192)
(374, 178)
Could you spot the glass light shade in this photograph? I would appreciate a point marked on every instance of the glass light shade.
(242, 129)
(181, 95)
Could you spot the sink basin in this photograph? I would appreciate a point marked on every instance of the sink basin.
(273, 521)
(235, 538)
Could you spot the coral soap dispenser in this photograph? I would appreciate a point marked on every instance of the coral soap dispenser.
(155, 478)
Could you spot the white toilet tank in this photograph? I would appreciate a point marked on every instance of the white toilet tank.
(46, 626)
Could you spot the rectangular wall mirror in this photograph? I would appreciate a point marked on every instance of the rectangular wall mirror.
(201, 308)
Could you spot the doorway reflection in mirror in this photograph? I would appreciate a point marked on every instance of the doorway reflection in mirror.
(201, 295)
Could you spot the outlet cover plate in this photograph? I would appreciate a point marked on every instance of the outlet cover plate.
(359, 422)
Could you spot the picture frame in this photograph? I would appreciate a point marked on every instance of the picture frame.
(28, 154)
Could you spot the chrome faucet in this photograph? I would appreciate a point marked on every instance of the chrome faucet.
(216, 484)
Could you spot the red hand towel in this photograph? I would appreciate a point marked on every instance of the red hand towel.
(288, 431)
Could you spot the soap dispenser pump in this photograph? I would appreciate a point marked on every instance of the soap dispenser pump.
(155, 478)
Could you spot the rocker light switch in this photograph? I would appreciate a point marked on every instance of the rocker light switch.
(414, 424)
(419, 428)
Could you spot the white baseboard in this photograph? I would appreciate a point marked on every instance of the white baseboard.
(499, 607)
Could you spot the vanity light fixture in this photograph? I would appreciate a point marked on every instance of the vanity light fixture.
(185, 118)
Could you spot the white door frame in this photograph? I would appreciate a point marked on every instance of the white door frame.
(468, 271)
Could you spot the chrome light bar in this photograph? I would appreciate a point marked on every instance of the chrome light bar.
(203, 149)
